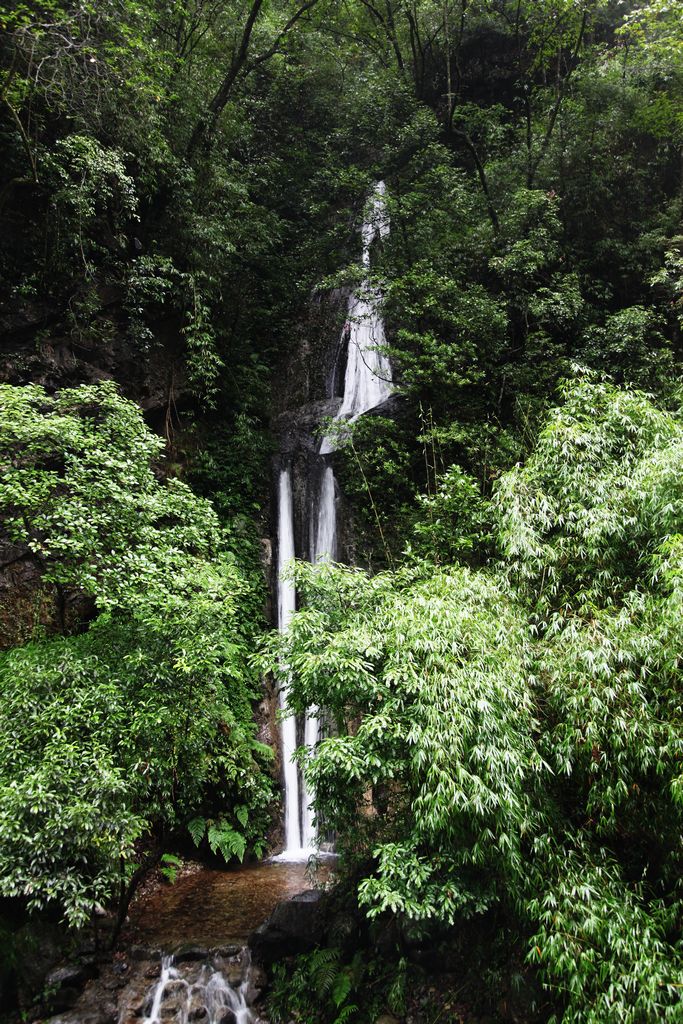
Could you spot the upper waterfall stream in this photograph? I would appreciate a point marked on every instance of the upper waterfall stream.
(367, 383)
(367, 379)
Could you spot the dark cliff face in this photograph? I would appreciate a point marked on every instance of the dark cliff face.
(307, 391)
(39, 346)
(306, 374)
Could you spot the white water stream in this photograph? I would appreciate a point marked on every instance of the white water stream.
(367, 383)
(209, 998)
(286, 606)
(367, 380)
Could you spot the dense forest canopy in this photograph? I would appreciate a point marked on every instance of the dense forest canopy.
(181, 188)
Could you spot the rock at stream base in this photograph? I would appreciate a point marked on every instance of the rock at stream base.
(65, 984)
(197, 1013)
(233, 972)
(138, 953)
(106, 1013)
(227, 951)
(184, 954)
(295, 926)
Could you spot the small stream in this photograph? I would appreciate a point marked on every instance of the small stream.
(209, 993)
(210, 908)
(183, 956)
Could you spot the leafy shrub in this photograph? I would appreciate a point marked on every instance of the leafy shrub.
(145, 719)
(510, 738)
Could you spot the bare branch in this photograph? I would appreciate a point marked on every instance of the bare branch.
(240, 65)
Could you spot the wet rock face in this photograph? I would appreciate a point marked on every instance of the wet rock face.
(39, 346)
(187, 954)
(49, 969)
(295, 926)
(26, 602)
(64, 984)
(307, 370)
(298, 429)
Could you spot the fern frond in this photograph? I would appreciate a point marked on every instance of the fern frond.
(197, 828)
(346, 1013)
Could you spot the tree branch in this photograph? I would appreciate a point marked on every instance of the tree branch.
(207, 123)
(24, 139)
(481, 172)
(561, 87)
(240, 63)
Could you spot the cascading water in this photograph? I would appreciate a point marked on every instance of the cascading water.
(322, 545)
(299, 825)
(206, 996)
(286, 606)
(323, 538)
(367, 383)
(367, 380)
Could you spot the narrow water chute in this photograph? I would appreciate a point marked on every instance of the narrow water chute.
(286, 606)
(367, 383)
(367, 380)
(209, 997)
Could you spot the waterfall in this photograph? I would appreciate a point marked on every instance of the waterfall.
(322, 545)
(323, 540)
(367, 383)
(286, 606)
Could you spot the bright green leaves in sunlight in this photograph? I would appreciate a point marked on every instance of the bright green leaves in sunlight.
(435, 671)
(80, 492)
(146, 718)
(512, 736)
(601, 492)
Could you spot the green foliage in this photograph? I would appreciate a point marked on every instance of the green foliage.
(177, 179)
(445, 733)
(221, 836)
(632, 344)
(604, 950)
(510, 737)
(324, 987)
(131, 727)
(170, 865)
(453, 522)
(376, 470)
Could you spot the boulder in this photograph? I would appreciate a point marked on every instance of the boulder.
(344, 932)
(106, 1013)
(233, 973)
(227, 951)
(258, 977)
(257, 983)
(64, 999)
(63, 985)
(197, 1013)
(171, 1009)
(138, 953)
(70, 976)
(295, 926)
(184, 954)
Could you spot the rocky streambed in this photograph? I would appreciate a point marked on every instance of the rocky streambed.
(192, 952)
